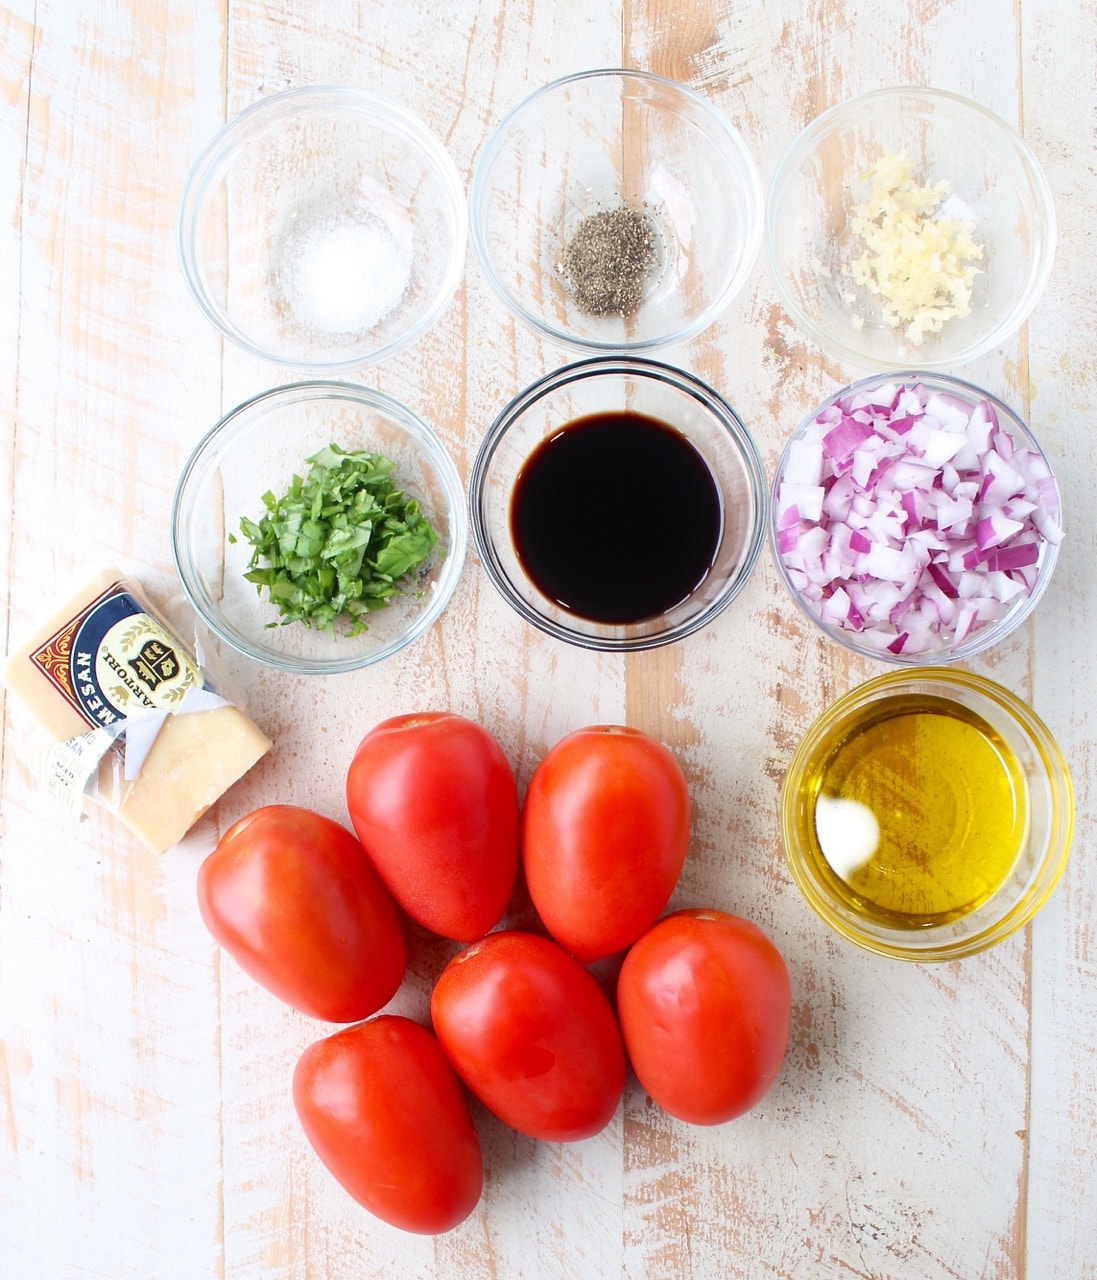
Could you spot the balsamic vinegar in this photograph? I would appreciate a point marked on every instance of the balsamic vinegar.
(616, 517)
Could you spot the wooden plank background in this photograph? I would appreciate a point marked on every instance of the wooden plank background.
(931, 1122)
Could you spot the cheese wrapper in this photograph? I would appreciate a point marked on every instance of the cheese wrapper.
(103, 657)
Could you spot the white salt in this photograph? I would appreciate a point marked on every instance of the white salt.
(345, 276)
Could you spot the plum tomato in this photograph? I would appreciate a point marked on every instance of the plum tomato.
(386, 1114)
(705, 1006)
(532, 1034)
(292, 897)
(433, 800)
(605, 828)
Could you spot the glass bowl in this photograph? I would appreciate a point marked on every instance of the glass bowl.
(884, 315)
(323, 228)
(927, 814)
(648, 531)
(911, 545)
(616, 210)
(259, 447)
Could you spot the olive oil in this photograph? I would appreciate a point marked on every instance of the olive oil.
(917, 811)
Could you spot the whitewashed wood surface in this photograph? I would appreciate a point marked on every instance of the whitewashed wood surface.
(931, 1123)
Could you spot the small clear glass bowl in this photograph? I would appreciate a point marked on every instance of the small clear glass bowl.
(260, 446)
(873, 639)
(1042, 794)
(611, 385)
(583, 147)
(323, 228)
(995, 184)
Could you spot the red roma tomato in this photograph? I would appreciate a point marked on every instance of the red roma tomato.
(605, 829)
(292, 897)
(384, 1111)
(532, 1034)
(434, 803)
(705, 1005)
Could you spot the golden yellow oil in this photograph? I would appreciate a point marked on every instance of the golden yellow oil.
(945, 800)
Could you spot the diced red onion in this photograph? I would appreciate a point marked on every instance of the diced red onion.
(994, 529)
(841, 441)
(941, 580)
(913, 518)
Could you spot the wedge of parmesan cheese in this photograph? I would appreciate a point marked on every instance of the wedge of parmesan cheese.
(103, 656)
(918, 262)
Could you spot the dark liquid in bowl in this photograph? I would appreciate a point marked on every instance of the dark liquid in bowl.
(616, 517)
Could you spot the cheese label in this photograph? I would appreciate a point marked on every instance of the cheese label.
(113, 659)
(69, 769)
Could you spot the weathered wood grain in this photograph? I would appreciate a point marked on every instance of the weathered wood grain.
(1062, 371)
(111, 1087)
(931, 1122)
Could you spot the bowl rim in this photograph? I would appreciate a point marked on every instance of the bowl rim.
(753, 204)
(981, 640)
(207, 169)
(600, 366)
(226, 430)
(1048, 869)
(1045, 219)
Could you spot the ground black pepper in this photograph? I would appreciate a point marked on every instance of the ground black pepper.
(608, 260)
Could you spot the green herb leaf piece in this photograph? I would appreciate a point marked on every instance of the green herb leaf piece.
(342, 541)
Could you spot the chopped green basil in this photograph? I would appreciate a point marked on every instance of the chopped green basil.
(340, 542)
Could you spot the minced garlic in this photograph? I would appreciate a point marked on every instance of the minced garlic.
(921, 267)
